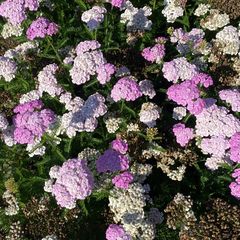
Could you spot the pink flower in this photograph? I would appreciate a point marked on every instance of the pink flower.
(123, 180)
(183, 134)
(41, 28)
(120, 146)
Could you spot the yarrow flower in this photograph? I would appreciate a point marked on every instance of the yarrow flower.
(179, 69)
(183, 134)
(147, 88)
(235, 186)
(112, 161)
(15, 10)
(127, 89)
(149, 113)
(47, 81)
(8, 68)
(88, 62)
(136, 18)
(70, 182)
(187, 94)
(94, 16)
(232, 97)
(40, 28)
(30, 122)
(117, 232)
(117, 3)
(123, 180)
(235, 147)
(104, 72)
(155, 53)
(119, 145)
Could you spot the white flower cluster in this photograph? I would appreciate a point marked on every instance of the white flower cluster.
(147, 88)
(184, 204)
(112, 123)
(50, 237)
(215, 20)
(174, 174)
(8, 68)
(172, 10)
(30, 96)
(228, 40)
(47, 81)
(84, 117)
(94, 16)
(202, 9)
(136, 18)
(128, 208)
(10, 30)
(213, 162)
(35, 148)
(149, 113)
(7, 136)
(71, 104)
(141, 171)
(22, 50)
(3, 121)
(12, 204)
(179, 113)
(85, 65)
(133, 127)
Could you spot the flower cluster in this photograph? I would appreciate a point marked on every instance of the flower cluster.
(136, 18)
(15, 10)
(173, 9)
(179, 69)
(94, 16)
(83, 116)
(149, 113)
(183, 134)
(8, 68)
(232, 97)
(70, 182)
(40, 28)
(235, 186)
(126, 88)
(88, 62)
(115, 232)
(30, 122)
(235, 147)
(155, 53)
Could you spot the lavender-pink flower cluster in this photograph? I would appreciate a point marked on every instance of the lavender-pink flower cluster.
(232, 97)
(235, 147)
(117, 232)
(127, 89)
(15, 10)
(183, 134)
(123, 180)
(235, 186)
(31, 121)
(179, 69)
(155, 53)
(70, 182)
(40, 28)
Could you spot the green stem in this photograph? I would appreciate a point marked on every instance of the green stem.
(55, 50)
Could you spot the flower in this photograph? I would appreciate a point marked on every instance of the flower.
(41, 28)
(127, 89)
(116, 232)
(235, 186)
(123, 180)
(112, 161)
(183, 134)
(73, 181)
(119, 145)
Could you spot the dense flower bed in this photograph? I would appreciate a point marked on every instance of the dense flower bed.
(119, 120)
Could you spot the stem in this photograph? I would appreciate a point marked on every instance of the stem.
(55, 50)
